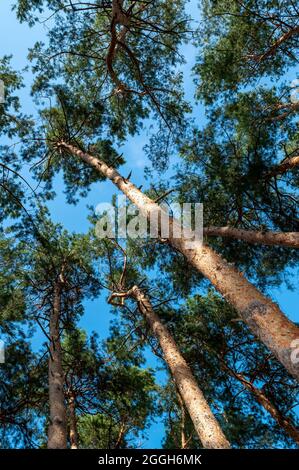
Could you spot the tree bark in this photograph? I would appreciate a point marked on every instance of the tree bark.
(73, 423)
(263, 316)
(118, 17)
(287, 108)
(57, 432)
(205, 423)
(272, 49)
(288, 239)
(118, 13)
(283, 167)
(264, 401)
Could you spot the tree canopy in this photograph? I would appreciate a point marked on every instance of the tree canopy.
(197, 346)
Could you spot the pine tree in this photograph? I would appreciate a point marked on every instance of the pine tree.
(107, 70)
(58, 276)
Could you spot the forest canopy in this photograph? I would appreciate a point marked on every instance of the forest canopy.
(145, 336)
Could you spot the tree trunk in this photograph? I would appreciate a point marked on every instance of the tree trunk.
(263, 400)
(205, 423)
(285, 37)
(73, 423)
(283, 167)
(183, 422)
(288, 239)
(263, 317)
(57, 432)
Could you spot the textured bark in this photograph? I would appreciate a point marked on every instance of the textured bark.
(57, 432)
(285, 166)
(288, 239)
(287, 108)
(205, 423)
(183, 422)
(73, 423)
(263, 400)
(263, 317)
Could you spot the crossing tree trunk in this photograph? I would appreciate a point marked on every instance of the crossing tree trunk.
(183, 422)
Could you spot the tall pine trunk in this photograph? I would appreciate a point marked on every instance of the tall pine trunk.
(205, 423)
(57, 432)
(288, 239)
(263, 316)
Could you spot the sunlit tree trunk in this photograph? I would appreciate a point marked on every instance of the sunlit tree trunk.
(205, 423)
(288, 239)
(73, 422)
(182, 423)
(57, 432)
(263, 316)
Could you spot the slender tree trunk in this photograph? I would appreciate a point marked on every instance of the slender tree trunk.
(263, 400)
(73, 423)
(205, 423)
(263, 316)
(118, 18)
(57, 432)
(288, 239)
(288, 108)
(120, 436)
(285, 166)
(285, 37)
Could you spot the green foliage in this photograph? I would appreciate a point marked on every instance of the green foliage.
(208, 333)
(227, 168)
(234, 38)
(90, 109)
(13, 124)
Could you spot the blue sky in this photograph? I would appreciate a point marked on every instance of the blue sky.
(16, 39)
